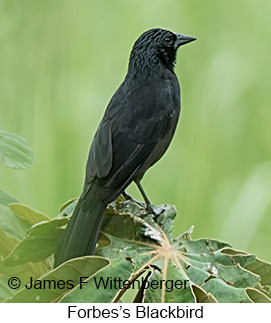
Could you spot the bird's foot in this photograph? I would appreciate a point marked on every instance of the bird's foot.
(153, 210)
(128, 197)
(147, 206)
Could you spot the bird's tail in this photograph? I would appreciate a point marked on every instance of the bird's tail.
(81, 234)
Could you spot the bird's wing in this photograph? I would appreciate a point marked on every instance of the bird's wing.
(100, 156)
(134, 133)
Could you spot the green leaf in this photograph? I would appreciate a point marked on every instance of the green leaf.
(214, 271)
(67, 208)
(201, 296)
(94, 291)
(239, 257)
(142, 252)
(202, 247)
(39, 243)
(8, 241)
(261, 268)
(15, 151)
(12, 224)
(224, 292)
(171, 285)
(23, 272)
(6, 198)
(236, 276)
(257, 296)
(27, 213)
(5, 291)
(57, 282)
(166, 218)
(7, 244)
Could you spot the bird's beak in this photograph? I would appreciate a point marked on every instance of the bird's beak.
(183, 39)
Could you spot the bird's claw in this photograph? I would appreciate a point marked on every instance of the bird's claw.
(154, 211)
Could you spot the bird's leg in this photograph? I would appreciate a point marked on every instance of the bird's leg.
(129, 197)
(149, 206)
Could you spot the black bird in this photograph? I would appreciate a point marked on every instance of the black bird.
(134, 133)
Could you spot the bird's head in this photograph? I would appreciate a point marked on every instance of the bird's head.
(157, 45)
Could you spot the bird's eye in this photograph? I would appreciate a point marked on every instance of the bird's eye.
(168, 40)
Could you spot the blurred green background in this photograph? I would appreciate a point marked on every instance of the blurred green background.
(60, 63)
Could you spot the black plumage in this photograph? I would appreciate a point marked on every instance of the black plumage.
(135, 131)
